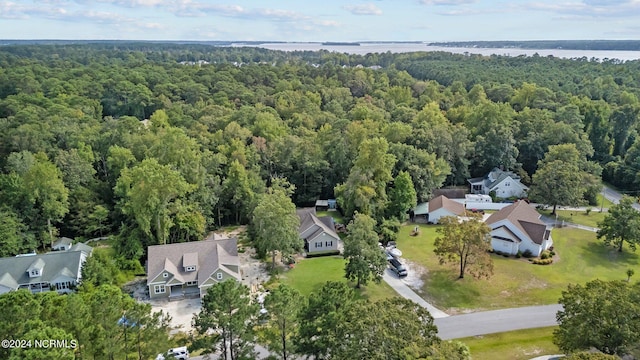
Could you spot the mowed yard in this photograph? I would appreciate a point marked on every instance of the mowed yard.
(516, 282)
(308, 276)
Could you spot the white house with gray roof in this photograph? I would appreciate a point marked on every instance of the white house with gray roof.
(506, 184)
(318, 233)
(60, 271)
(188, 269)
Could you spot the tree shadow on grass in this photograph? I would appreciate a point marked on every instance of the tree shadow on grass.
(449, 291)
(599, 254)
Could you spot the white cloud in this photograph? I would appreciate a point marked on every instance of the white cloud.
(363, 9)
(589, 8)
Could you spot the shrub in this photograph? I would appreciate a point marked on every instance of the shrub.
(505, 255)
(519, 254)
(498, 252)
(588, 210)
(545, 255)
(527, 253)
(542, 261)
(553, 253)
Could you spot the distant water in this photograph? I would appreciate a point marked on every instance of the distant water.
(366, 48)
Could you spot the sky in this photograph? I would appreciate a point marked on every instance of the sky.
(320, 20)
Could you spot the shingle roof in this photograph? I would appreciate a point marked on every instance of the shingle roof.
(525, 218)
(421, 209)
(14, 270)
(308, 219)
(211, 256)
(444, 202)
(63, 241)
(81, 247)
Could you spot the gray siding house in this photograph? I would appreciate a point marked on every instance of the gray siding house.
(188, 269)
(318, 233)
(60, 271)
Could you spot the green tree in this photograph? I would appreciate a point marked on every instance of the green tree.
(599, 314)
(559, 179)
(275, 223)
(284, 305)
(238, 191)
(466, 244)
(365, 188)
(321, 317)
(226, 321)
(365, 261)
(147, 192)
(402, 196)
(14, 238)
(60, 345)
(622, 224)
(392, 329)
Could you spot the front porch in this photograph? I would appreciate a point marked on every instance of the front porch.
(179, 292)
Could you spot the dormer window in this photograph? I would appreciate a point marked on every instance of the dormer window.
(36, 268)
(190, 268)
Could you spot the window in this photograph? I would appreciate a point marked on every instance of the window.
(507, 184)
(35, 272)
(191, 268)
(159, 289)
(219, 276)
(191, 283)
(318, 245)
(328, 243)
(164, 275)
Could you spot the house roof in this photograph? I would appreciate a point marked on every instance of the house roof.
(421, 209)
(442, 201)
(14, 271)
(81, 247)
(525, 218)
(322, 202)
(211, 254)
(495, 177)
(319, 225)
(450, 193)
(63, 241)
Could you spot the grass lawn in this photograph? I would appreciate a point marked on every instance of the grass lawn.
(337, 217)
(309, 275)
(516, 282)
(578, 217)
(513, 345)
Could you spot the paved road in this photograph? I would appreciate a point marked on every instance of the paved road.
(487, 322)
(406, 292)
(614, 196)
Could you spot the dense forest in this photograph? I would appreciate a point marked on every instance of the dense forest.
(159, 143)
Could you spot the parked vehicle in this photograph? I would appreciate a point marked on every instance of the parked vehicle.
(398, 268)
(179, 353)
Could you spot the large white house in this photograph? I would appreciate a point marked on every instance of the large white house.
(518, 227)
(505, 184)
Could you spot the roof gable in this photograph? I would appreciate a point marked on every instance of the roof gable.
(442, 202)
(525, 218)
(208, 254)
(15, 270)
